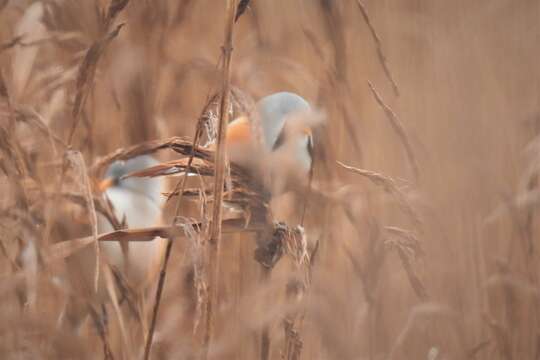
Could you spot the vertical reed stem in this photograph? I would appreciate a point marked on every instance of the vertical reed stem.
(219, 181)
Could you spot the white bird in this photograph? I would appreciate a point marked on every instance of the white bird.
(138, 202)
(280, 149)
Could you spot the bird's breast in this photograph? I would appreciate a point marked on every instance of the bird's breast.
(139, 211)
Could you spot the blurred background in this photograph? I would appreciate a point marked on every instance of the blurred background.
(458, 280)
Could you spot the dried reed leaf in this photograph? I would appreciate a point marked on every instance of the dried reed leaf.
(148, 234)
(241, 188)
(64, 249)
(198, 167)
(179, 144)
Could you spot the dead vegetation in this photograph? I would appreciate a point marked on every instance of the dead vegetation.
(434, 256)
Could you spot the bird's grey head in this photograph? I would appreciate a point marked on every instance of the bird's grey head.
(149, 187)
(273, 111)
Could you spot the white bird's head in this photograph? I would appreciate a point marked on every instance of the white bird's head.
(138, 199)
(285, 122)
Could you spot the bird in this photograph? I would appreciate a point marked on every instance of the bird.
(275, 142)
(137, 202)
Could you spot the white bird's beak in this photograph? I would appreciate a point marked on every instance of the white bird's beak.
(105, 184)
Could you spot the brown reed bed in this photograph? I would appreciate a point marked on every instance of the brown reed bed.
(419, 238)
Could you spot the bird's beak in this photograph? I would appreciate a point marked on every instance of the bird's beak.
(105, 184)
(306, 131)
